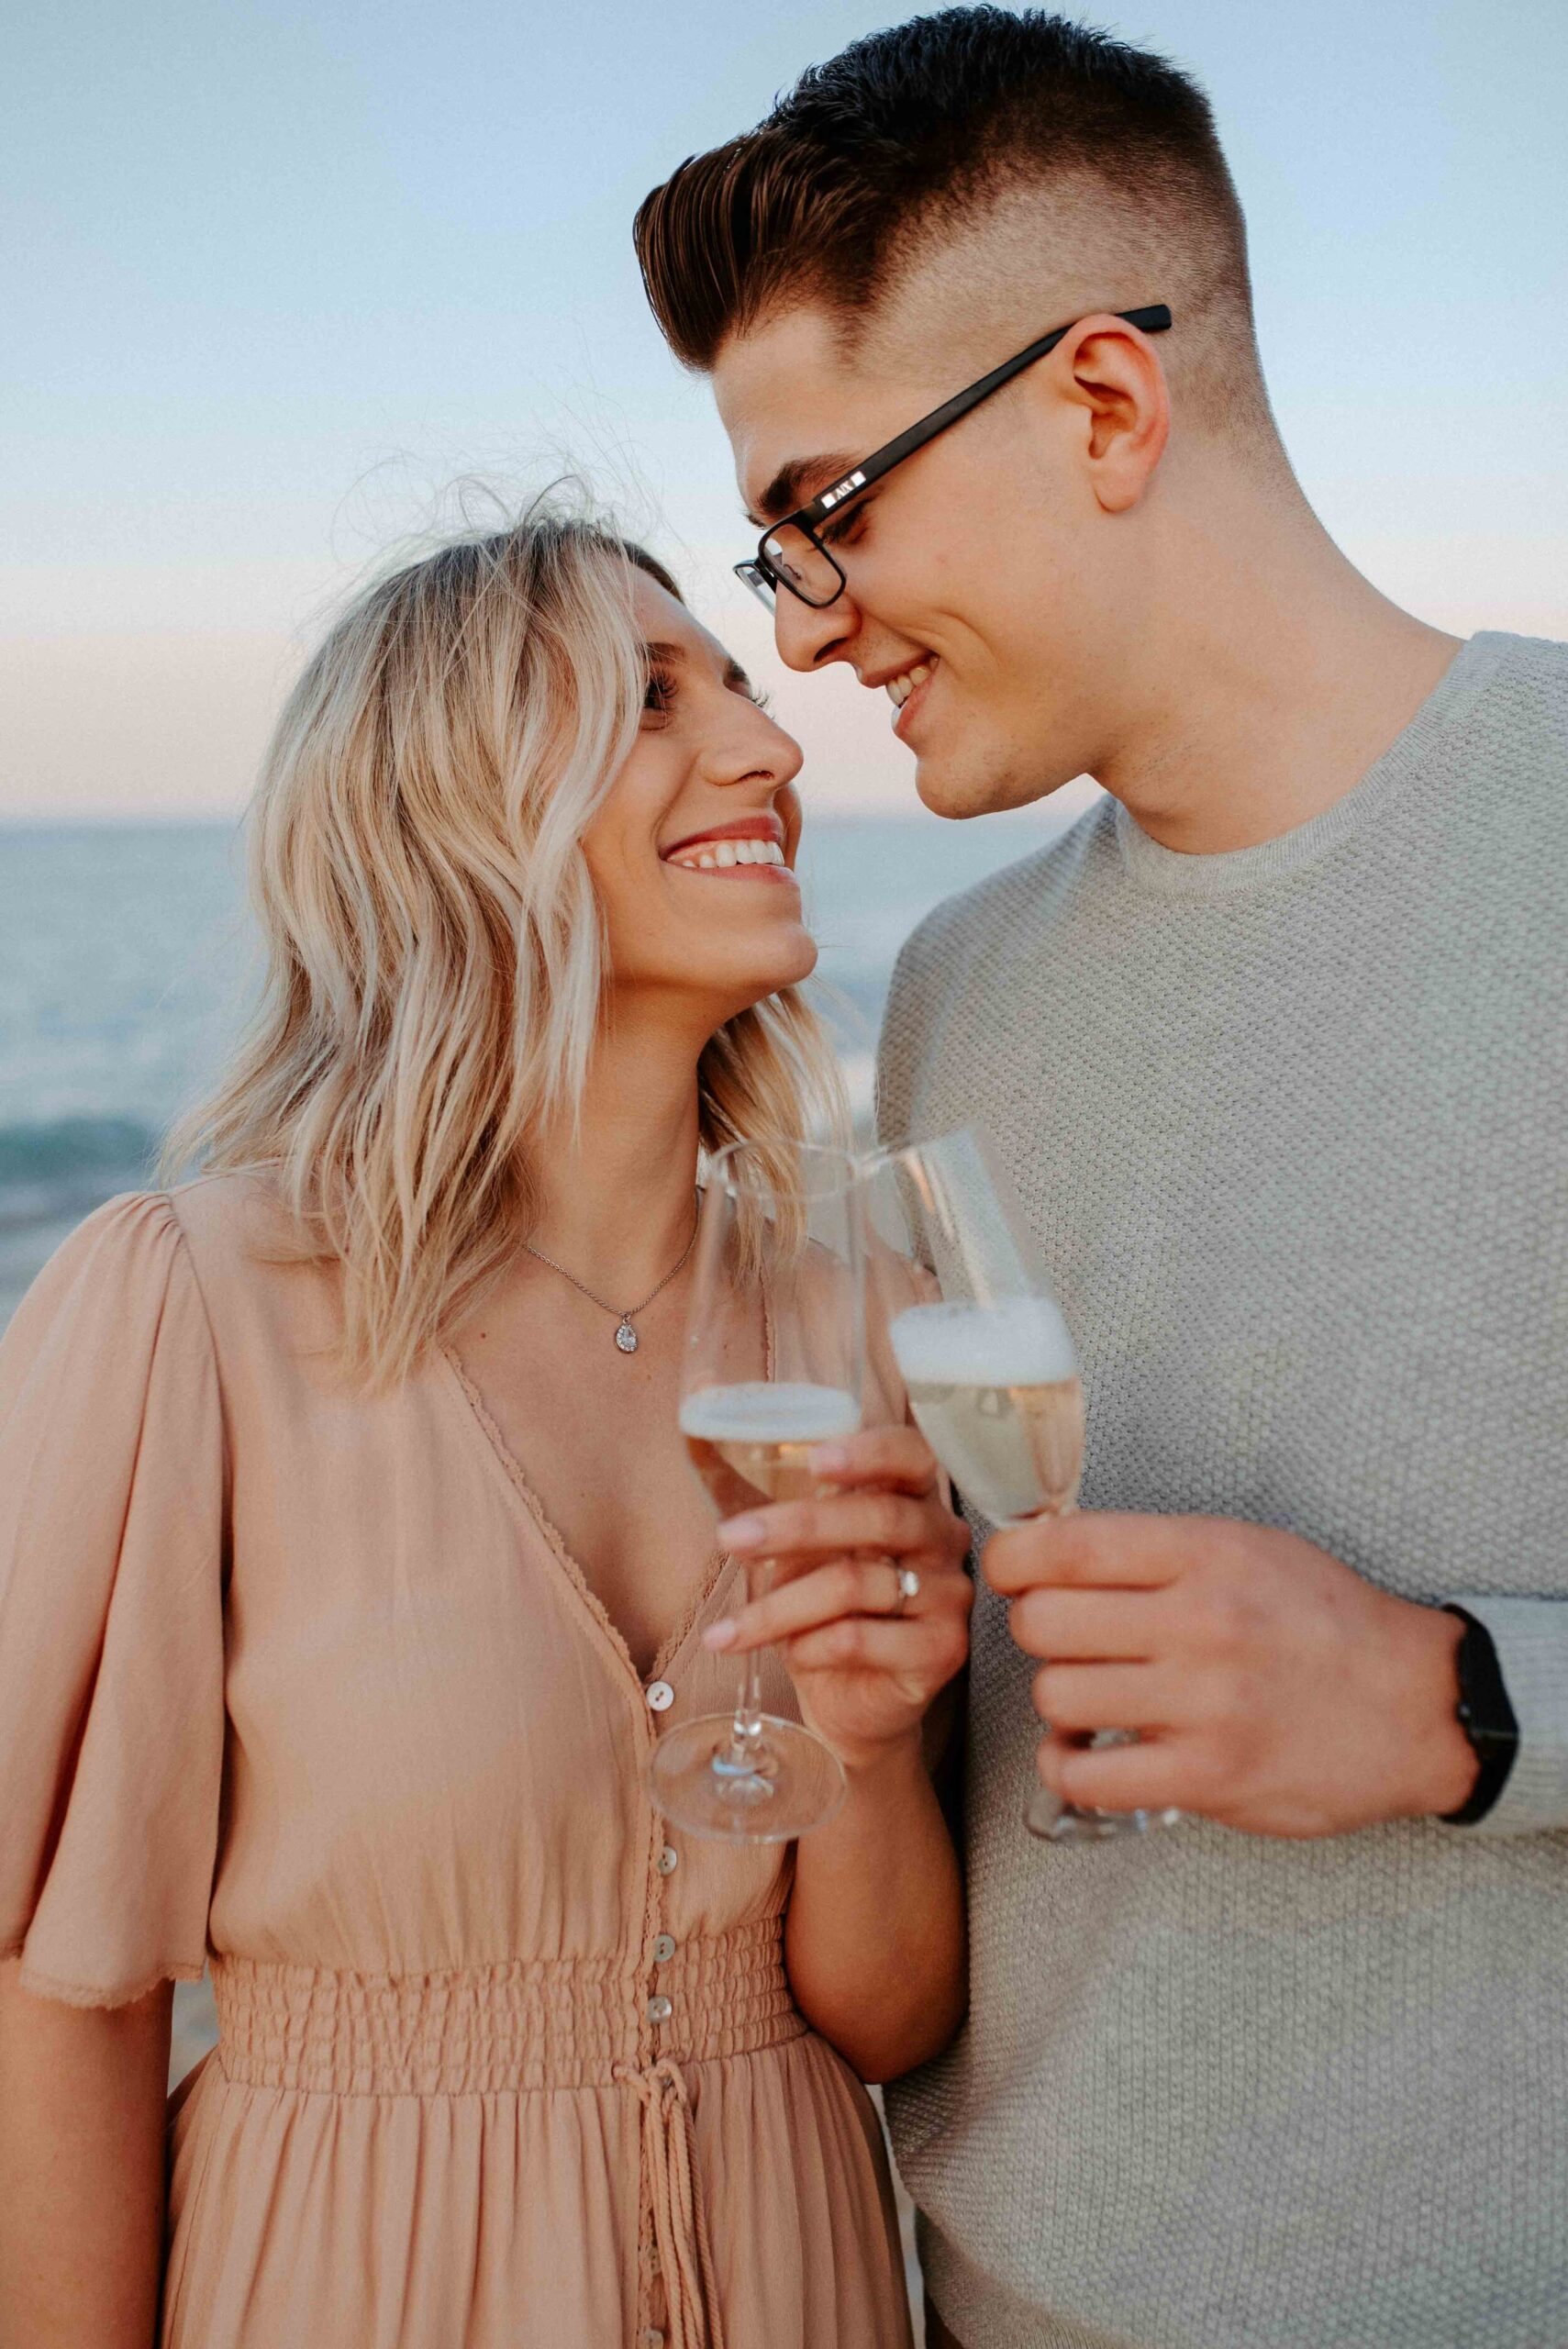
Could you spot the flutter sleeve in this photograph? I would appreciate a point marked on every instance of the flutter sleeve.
(112, 1515)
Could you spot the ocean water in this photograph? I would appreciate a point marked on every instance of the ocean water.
(128, 962)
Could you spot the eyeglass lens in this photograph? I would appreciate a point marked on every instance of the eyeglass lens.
(801, 565)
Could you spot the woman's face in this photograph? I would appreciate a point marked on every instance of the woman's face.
(691, 852)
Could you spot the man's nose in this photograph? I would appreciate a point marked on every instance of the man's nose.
(808, 638)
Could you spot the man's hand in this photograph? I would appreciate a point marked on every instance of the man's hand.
(1271, 1688)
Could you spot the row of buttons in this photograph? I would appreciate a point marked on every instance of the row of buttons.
(661, 1697)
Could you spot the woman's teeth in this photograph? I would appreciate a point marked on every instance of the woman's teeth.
(708, 856)
(900, 688)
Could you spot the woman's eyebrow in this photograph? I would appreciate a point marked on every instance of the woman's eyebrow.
(668, 656)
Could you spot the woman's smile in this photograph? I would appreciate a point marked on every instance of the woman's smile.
(748, 846)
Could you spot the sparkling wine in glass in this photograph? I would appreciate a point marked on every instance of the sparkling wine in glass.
(988, 1366)
(773, 1366)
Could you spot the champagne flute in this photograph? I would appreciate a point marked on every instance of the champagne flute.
(989, 1367)
(774, 1360)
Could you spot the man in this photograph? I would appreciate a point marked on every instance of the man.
(1273, 1045)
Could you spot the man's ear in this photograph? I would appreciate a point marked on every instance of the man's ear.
(1110, 371)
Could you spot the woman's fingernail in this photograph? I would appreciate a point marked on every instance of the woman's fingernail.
(828, 1459)
(742, 1532)
(718, 1635)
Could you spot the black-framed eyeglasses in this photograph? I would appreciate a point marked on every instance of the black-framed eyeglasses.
(792, 554)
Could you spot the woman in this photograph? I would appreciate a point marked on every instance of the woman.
(348, 1570)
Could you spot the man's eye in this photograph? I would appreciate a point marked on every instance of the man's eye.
(842, 530)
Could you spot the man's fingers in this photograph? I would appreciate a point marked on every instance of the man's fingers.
(1080, 1697)
(1089, 1625)
(887, 1522)
(1104, 1549)
(1149, 1775)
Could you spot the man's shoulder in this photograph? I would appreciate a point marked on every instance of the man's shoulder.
(1522, 700)
(1023, 896)
(978, 940)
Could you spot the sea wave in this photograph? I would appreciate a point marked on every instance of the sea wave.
(65, 1165)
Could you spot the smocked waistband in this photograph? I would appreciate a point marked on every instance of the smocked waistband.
(561, 2023)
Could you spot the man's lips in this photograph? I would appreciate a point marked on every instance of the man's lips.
(908, 708)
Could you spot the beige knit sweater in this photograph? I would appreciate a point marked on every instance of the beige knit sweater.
(1292, 1127)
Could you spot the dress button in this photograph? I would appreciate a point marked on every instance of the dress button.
(661, 1697)
(663, 1949)
(669, 1860)
(654, 2338)
(660, 2010)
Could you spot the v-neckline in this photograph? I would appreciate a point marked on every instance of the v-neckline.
(518, 1482)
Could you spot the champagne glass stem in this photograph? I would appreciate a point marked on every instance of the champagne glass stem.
(746, 1738)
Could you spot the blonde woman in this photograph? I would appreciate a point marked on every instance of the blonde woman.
(348, 1570)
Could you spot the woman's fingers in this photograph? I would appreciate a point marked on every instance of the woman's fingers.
(928, 1648)
(847, 1588)
(896, 1456)
(891, 1522)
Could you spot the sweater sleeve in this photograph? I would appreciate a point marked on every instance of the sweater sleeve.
(1531, 1636)
(112, 1476)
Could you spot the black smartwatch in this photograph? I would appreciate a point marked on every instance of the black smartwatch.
(1486, 1718)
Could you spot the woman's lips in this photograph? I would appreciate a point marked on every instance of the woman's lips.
(763, 859)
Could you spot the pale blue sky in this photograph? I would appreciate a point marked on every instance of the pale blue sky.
(276, 275)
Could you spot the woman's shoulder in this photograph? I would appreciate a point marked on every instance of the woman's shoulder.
(190, 1253)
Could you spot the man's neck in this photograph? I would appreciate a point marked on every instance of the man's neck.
(1278, 676)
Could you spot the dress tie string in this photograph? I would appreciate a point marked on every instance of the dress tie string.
(679, 2231)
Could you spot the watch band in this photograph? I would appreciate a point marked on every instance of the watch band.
(1486, 1718)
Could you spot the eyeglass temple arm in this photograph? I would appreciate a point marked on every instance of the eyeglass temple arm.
(1153, 319)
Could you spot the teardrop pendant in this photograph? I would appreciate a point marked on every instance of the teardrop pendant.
(626, 1337)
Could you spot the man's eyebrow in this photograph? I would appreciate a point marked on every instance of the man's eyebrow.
(795, 484)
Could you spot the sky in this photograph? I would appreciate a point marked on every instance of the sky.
(276, 278)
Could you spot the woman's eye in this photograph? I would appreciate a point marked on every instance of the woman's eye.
(659, 691)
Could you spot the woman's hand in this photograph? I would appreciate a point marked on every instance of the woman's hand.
(866, 1659)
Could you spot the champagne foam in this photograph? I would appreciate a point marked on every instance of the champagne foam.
(764, 1411)
(1022, 1342)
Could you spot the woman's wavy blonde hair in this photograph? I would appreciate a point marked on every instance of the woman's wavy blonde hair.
(435, 953)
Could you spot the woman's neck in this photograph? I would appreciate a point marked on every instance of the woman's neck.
(615, 1196)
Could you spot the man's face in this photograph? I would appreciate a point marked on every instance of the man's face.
(974, 562)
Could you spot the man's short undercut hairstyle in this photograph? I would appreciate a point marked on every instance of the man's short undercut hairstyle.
(910, 138)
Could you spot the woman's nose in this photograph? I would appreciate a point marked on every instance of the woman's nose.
(757, 746)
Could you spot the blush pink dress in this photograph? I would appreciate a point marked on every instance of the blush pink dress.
(305, 1685)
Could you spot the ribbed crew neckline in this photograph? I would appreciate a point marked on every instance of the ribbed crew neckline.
(1171, 873)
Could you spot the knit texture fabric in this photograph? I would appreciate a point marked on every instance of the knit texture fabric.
(1291, 1125)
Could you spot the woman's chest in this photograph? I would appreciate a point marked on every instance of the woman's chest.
(439, 1745)
(593, 1437)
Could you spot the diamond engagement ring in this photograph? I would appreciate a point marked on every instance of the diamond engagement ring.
(908, 1590)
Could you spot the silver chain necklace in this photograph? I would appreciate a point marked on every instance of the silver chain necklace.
(626, 1336)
